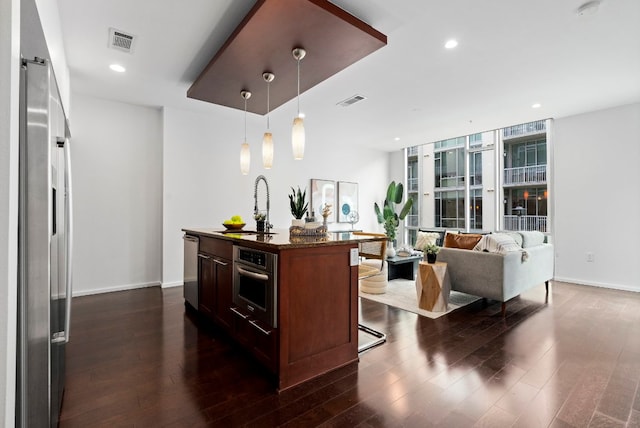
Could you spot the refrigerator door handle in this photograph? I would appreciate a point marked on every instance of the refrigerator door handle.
(69, 235)
(63, 336)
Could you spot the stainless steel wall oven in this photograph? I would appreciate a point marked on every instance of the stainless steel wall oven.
(255, 283)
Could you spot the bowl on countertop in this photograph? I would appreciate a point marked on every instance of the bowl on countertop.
(234, 226)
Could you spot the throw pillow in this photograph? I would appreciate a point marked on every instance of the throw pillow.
(500, 243)
(464, 241)
(425, 238)
(515, 235)
(532, 238)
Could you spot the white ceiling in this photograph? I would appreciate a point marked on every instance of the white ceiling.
(511, 54)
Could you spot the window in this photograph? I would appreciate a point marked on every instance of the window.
(449, 167)
(522, 181)
(527, 153)
(450, 209)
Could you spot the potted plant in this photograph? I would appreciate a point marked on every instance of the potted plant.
(298, 206)
(388, 216)
(431, 250)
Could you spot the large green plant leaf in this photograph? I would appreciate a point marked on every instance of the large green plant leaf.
(405, 210)
(379, 216)
(391, 192)
(398, 193)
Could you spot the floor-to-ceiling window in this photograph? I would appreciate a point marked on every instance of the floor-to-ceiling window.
(449, 192)
(525, 177)
(505, 186)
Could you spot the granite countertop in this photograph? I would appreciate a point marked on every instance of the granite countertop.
(279, 238)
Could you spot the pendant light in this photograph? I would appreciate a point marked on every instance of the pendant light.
(297, 133)
(245, 154)
(267, 140)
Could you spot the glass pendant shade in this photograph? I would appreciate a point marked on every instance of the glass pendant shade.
(297, 138)
(297, 132)
(245, 153)
(267, 150)
(267, 139)
(245, 158)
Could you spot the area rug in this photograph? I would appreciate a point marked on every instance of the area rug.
(401, 293)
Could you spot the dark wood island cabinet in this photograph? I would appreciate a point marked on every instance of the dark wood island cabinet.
(316, 324)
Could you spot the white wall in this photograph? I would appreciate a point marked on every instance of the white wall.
(203, 185)
(597, 197)
(117, 182)
(9, 98)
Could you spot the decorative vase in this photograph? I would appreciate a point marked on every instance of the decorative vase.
(260, 225)
(391, 252)
(431, 258)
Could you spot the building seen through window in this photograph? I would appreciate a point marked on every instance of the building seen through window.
(505, 187)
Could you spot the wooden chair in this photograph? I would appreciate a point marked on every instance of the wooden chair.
(372, 250)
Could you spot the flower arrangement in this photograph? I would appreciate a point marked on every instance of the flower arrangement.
(431, 249)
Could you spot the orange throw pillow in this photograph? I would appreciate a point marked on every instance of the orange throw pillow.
(465, 241)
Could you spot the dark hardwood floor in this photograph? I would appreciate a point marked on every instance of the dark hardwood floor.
(136, 359)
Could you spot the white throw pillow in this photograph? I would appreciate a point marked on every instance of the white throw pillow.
(425, 238)
(500, 243)
(515, 235)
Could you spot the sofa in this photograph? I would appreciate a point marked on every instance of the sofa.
(499, 266)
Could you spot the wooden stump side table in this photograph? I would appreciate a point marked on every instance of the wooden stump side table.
(433, 286)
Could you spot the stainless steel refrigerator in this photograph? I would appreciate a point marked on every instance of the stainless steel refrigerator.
(45, 238)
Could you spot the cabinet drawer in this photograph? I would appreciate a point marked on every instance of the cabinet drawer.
(216, 247)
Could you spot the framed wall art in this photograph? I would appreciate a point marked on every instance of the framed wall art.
(323, 192)
(347, 200)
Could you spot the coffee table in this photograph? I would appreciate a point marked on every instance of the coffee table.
(402, 267)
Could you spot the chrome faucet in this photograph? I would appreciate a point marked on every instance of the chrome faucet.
(267, 224)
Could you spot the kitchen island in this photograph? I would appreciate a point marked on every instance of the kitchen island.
(291, 301)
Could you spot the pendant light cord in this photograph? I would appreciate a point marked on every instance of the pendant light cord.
(268, 102)
(245, 120)
(298, 87)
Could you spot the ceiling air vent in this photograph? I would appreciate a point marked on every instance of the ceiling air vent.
(121, 41)
(351, 100)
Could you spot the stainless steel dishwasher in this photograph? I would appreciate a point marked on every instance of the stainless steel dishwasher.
(190, 288)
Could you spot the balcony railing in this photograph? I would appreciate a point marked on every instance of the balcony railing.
(525, 222)
(525, 175)
(412, 185)
(524, 129)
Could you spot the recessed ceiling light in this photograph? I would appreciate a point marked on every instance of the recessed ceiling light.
(118, 68)
(451, 44)
(536, 105)
(397, 139)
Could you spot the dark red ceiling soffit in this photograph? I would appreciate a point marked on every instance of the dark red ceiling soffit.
(263, 41)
